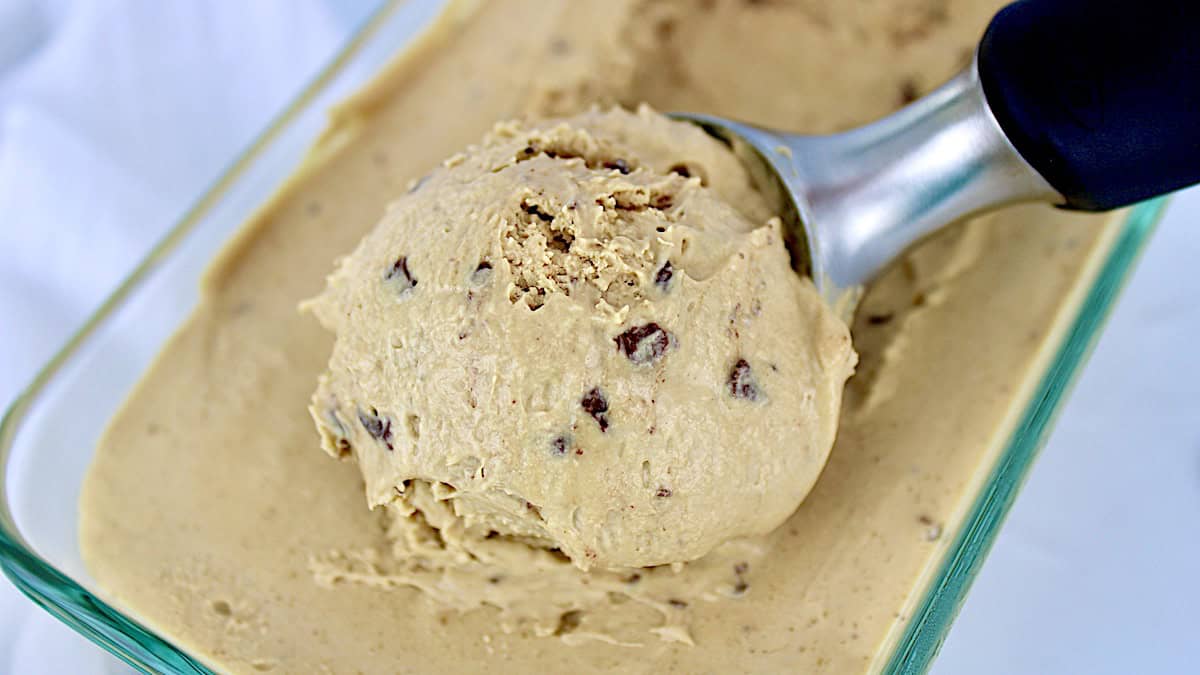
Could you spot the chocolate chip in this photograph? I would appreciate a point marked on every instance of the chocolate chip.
(662, 278)
(618, 164)
(879, 319)
(741, 568)
(663, 492)
(633, 578)
(379, 428)
(568, 622)
(909, 92)
(677, 603)
(644, 344)
(740, 587)
(662, 201)
(561, 242)
(682, 170)
(559, 445)
(742, 383)
(535, 210)
(400, 276)
(596, 405)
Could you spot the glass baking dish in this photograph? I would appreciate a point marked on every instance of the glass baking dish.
(49, 434)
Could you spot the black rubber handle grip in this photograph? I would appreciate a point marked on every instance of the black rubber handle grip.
(1102, 97)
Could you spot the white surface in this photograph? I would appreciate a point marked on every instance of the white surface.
(1094, 572)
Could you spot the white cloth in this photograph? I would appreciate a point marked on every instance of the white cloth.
(116, 114)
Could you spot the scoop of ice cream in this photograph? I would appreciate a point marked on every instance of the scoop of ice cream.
(584, 335)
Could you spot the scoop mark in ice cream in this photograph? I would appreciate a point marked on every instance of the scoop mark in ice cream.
(379, 428)
(662, 278)
(596, 405)
(399, 275)
(644, 344)
(742, 383)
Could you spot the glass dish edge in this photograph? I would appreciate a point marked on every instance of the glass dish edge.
(925, 632)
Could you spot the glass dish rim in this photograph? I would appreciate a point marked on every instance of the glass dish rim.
(109, 628)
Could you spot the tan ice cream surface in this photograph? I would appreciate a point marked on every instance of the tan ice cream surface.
(578, 347)
(211, 516)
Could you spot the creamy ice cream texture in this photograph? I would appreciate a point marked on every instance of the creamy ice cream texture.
(207, 512)
(585, 335)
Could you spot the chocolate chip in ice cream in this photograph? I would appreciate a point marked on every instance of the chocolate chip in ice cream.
(618, 164)
(663, 492)
(662, 278)
(535, 210)
(559, 445)
(644, 344)
(742, 383)
(400, 276)
(596, 405)
(379, 427)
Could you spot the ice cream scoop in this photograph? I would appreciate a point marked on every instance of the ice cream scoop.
(1085, 105)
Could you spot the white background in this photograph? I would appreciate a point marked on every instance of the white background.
(115, 114)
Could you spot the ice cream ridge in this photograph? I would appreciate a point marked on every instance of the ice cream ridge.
(582, 337)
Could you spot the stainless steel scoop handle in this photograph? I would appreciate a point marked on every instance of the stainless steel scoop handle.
(865, 195)
(1090, 105)
(886, 185)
